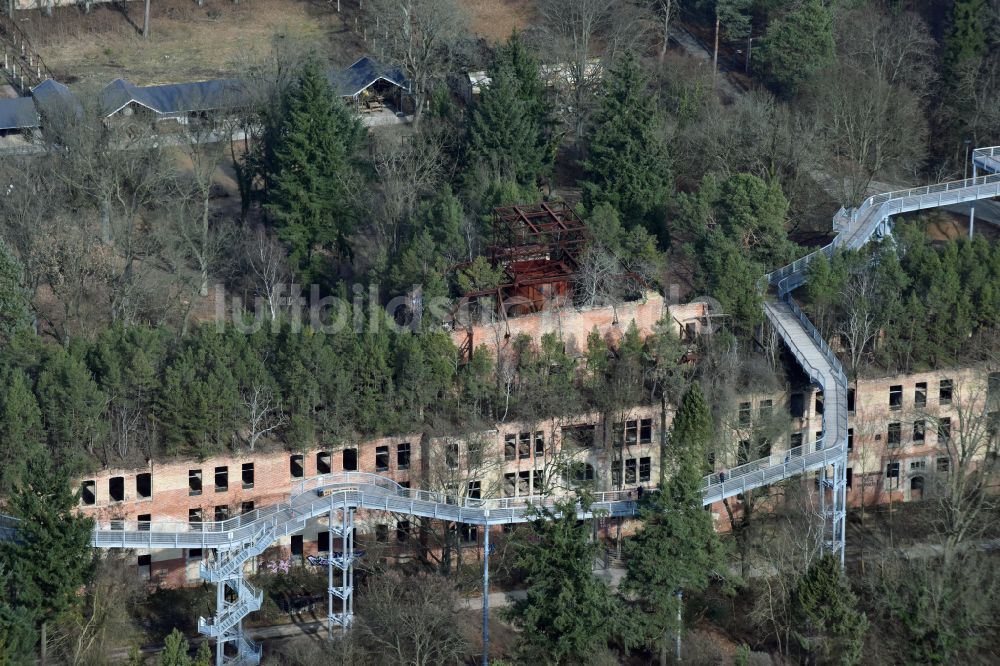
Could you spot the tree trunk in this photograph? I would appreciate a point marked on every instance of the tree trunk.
(145, 21)
(44, 643)
(715, 52)
(666, 30)
(106, 221)
(663, 648)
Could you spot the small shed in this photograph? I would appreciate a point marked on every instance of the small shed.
(174, 101)
(371, 87)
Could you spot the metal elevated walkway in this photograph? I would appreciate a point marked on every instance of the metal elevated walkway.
(338, 496)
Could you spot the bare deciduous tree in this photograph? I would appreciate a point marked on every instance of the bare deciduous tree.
(421, 36)
(269, 269)
(412, 620)
(262, 412)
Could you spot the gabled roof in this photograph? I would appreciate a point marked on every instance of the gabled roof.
(173, 98)
(18, 113)
(363, 73)
(120, 93)
(53, 97)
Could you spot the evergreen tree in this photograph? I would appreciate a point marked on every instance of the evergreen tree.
(17, 633)
(799, 44)
(175, 650)
(504, 133)
(73, 407)
(966, 40)
(752, 213)
(731, 276)
(627, 164)
(678, 548)
(830, 626)
(52, 558)
(21, 432)
(311, 171)
(15, 300)
(568, 613)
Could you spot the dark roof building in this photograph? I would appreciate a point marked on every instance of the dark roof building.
(363, 74)
(17, 114)
(175, 99)
(52, 97)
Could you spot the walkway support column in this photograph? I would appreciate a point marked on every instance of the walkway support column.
(486, 591)
(972, 207)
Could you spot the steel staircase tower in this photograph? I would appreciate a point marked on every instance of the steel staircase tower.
(338, 496)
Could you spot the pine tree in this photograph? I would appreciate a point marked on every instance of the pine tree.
(568, 613)
(799, 44)
(52, 559)
(966, 41)
(175, 650)
(21, 430)
(678, 548)
(15, 300)
(627, 163)
(830, 626)
(73, 406)
(504, 134)
(311, 171)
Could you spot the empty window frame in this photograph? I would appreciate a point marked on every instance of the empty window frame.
(819, 402)
(892, 474)
(850, 477)
(509, 484)
(743, 414)
(645, 469)
(247, 475)
(539, 444)
(993, 386)
(797, 405)
(88, 493)
(402, 530)
(474, 453)
(524, 483)
(918, 464)
(381, 533)
(475, 490)
(895, 436)
(144, 520)
(944, 429)
(323, 462)
(194, 519)
(297, 540)
(381, 458)
(631, 470)
(403, 455)
(116, 488)
(583, 472)
(920, 394)
(743, 452)
(246, 507)
(896, 397)
(323, 542)
(943, 464)
(919, 430)
(194, 553)
(221, 513)
(645, 431)
(945, 391)
(850, 439)
(510, 447)
(470, 533)
(296, 466)
(795, 440)
(850, 400)
(144, 485)
(221, 479)
(524, 445)
(350, 460)
(765, 409)
(145, 563)
(451, 455)
(581, 435)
